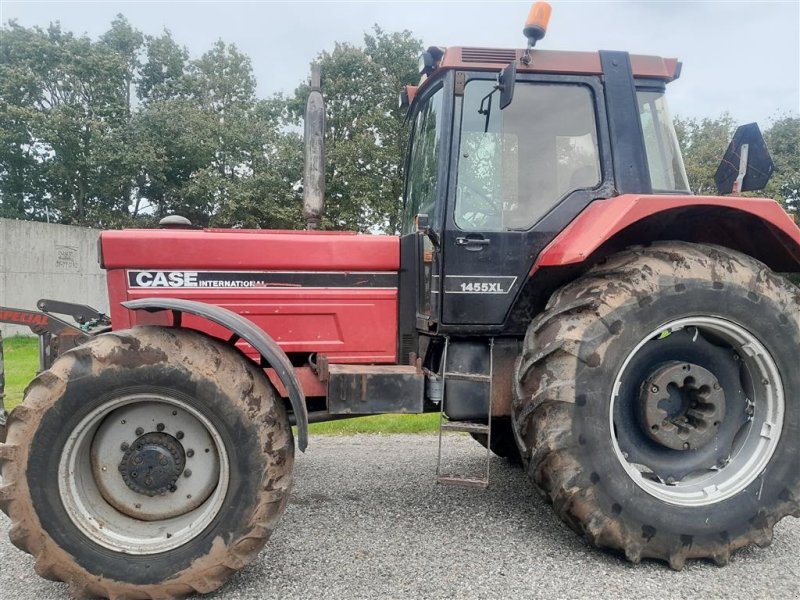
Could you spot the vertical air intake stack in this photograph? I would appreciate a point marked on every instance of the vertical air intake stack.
(314, 173)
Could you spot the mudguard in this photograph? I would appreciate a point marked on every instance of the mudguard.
(602, 220)
(269, 350)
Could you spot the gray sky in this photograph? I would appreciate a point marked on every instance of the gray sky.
(739, 56)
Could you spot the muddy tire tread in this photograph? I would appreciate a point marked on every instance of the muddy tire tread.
(544, 403)
(200, 353)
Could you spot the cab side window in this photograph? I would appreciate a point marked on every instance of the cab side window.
(423, 165)
(515, 165)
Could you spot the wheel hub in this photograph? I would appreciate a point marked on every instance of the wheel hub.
(153, 459)
(153, 463)
(734, 429)
(682, 405)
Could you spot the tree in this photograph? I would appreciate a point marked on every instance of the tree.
(72, 105)
(703, 143)
(783, 142)
(127, 129)
(366, 135)
(161, 75)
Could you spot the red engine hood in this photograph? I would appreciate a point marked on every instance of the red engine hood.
(249, 249)
(314, 292)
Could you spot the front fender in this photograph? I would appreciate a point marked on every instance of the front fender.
(269, 350)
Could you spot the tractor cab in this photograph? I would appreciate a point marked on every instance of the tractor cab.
(491, 180)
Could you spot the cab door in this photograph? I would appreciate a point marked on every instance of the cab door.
(519, 176)
(427, 168)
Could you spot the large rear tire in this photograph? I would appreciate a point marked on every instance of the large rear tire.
(147, 463)
(657, 403)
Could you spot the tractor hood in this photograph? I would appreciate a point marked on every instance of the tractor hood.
(312, 291)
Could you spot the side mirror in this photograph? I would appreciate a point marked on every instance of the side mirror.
(747, 165)
(505, 82)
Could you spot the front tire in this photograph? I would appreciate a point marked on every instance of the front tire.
(657, 403)
(147, 463)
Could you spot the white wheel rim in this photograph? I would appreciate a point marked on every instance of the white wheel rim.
(752, 450)
(104, 508)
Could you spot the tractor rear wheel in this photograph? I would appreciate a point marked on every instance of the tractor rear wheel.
(147, 463)
(657, 403)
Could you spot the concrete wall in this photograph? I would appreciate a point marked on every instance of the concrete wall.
(41, 260)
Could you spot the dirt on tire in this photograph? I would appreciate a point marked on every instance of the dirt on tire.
(563, 379)
(218, 374)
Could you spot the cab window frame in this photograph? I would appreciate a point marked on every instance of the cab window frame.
(421, 103)
(659, 87)
(564, 204)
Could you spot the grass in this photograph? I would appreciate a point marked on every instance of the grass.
(22, 360)
(386, 424)
(21, 355)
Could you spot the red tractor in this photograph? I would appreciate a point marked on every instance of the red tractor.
(557, 292)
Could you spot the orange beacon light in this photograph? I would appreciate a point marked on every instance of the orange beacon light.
(536, 24)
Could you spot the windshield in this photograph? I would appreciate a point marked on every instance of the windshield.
(515, 165)
(667, 173)
(423, 161)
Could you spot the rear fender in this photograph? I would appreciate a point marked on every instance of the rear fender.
(271, 354)
(758, 227)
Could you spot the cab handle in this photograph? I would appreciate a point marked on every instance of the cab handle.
(473, 241)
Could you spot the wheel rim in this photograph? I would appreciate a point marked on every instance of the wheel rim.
(752, 414)
(143, 474)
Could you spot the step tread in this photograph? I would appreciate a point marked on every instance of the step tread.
(465, 427)
(468, 377)
(463, 481)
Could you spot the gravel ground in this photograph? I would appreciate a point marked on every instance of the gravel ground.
(367, 521)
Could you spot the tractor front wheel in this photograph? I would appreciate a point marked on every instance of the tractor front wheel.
(148, 463)
(658, 402)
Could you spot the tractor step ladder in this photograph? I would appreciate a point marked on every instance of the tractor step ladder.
(446, 425)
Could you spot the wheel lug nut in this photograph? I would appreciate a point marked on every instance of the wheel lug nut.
(163, 461)
(160, 427)
(139, 431)
(187, 473)
(716, 386)
(138, 506)
(174, 413)
(686, 445)
(173, 489)
(179, 435)
(124, 447)
(148, 481)
(190, 453)
(137, 460)
(134, 474)
(654, 389)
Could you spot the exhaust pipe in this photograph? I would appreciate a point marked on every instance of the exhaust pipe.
(314, 169)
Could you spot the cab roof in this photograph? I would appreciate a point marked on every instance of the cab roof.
(550, 61)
